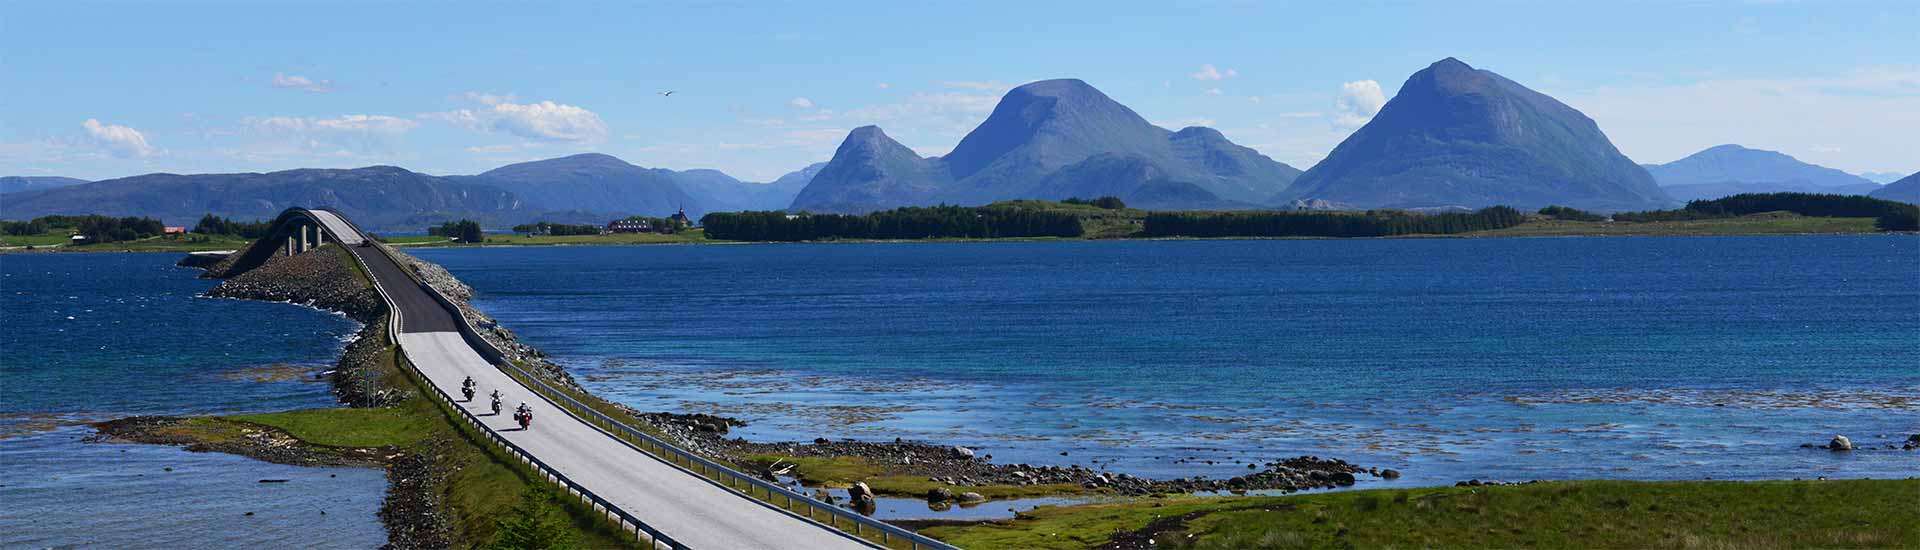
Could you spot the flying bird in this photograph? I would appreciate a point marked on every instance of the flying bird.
(666, 93)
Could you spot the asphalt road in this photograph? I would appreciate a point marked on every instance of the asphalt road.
(694, 511)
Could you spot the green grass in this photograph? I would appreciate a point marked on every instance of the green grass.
(1757, 224)
(398, 426)
(843, 471)
(1585, 514)
(189, 243)
(510, 239)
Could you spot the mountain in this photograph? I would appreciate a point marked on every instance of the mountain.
(715, 188)
(15, 184)
(376, 197)
(595, 183)
(1459, 136)
(871, 171)
(1758, 169)
(1050, 139)
(1882, 178)
(1905, 190)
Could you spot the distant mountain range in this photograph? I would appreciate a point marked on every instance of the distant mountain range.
(1458, 136)
(14, 184)
(1905, 190)
(1731, 169)
(588, 188)
(1051, 139)
(1882, 178)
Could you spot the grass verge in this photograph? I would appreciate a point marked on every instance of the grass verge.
(1611, 514)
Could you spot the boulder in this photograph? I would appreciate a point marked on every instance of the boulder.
(971, 496)
(961, 453)
(1840, 443)
(1342, 479)
(1389, 473)
(939, 494)
(860, 495)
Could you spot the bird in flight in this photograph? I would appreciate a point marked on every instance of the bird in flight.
(666, 93)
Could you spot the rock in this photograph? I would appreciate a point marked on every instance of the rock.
(1389, 473)
(1840, 443)
(860, 495)
(971, 496)
(1915, 438)
(962, 453)
(1342, 479)
(939, 494)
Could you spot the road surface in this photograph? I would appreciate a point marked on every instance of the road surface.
(692, 510)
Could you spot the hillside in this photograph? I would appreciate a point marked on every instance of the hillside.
(1728, 170)
(1459, 136)
(16, 184)
(1905, 190)
(380, 197)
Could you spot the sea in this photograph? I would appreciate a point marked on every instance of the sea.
(1648, 358)
(86, 337)
(1515, 359)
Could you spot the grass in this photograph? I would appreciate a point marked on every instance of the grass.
(190, 243)
(1614, 514)
(843, 471)
(508, 239)
(1772, 223)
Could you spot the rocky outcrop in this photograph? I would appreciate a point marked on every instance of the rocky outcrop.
(323, 278)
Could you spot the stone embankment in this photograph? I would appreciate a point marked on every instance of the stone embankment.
(529, 358)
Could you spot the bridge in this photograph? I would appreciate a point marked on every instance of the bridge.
(665, 496)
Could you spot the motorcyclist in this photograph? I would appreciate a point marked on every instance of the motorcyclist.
(523, 414)
(468, 383)
(496, 401)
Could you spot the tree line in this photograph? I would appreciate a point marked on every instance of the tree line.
(96, 228)
(1570, 213)
(467, 231)
(557, 228)
(934, 222)
(1888, 215)
(1372, 223)
(216, 225)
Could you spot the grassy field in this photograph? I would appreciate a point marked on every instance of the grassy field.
(1758, 224)
(189, 243)
(1585, 514)
(509, 239)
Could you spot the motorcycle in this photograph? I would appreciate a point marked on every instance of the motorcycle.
(524, 417)
(467, 391)
(496, 406)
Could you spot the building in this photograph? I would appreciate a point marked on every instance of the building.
(173, 230)
(627, 226)
(680, 219)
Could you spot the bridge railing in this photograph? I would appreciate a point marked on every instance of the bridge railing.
(626, 521)
(763, 491)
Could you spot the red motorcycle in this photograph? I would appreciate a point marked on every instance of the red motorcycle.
(524, 416)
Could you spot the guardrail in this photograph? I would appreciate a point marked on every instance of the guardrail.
(626, 521)
(775, 495)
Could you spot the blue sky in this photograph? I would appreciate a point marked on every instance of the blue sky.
(99, 90)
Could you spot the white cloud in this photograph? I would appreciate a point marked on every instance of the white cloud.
(1214, 91)
(1358, 102)
(344, 135)
(544, 121)
(882, 85)
(490, 149)
(801, 103)
(117, 140)
(1209, 72)
(297, 82)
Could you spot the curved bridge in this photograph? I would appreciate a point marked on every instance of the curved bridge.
(666, 496)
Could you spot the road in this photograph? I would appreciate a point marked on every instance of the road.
(694, 511)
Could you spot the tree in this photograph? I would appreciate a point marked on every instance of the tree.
(467, 231)
(535, 523)
(1110, 203)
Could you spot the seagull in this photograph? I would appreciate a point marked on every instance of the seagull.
(666, 93)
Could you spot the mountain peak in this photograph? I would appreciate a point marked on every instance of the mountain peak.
(1450, 64)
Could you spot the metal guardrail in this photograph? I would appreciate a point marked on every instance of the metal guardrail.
(752, 487)
(626, 521)
(726, 476)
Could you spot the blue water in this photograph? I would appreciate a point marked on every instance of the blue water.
(1549, 358)
(90, 337)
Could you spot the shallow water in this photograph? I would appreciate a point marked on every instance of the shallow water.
(91, 337)
(1638, 358)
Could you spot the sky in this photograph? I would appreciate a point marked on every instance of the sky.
(100, 90)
